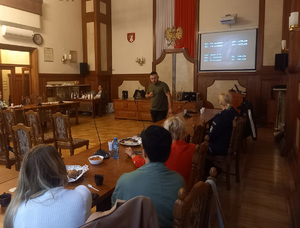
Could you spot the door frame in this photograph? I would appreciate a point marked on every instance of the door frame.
(11, 85)
(33, 58)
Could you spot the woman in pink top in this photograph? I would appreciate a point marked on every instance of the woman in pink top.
(180, 159)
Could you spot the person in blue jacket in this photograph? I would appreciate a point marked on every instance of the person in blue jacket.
(221, 127)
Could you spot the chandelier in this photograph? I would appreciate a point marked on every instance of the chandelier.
(172, 35)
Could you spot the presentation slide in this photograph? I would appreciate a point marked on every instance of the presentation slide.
(228, 51)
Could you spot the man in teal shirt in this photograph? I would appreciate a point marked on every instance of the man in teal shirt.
(161, 100)
(153, 179)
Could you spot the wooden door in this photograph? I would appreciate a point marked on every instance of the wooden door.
(26, 83)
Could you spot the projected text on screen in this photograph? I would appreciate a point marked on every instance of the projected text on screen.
(234, 50)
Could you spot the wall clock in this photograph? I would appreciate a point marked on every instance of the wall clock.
(37, 39)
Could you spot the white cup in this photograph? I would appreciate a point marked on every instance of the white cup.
(110, 145)
(202, 110)
(12, 104)
(185, 111)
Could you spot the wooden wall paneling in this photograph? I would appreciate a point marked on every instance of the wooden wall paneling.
(34, 73)
(117, 80)
(92, 79)
(97, 35)
(154, 33)
(15, 84)
(285, 21)
(260, 35)
(31, 6)
(104, 80)
(1, 86)
(106, 19)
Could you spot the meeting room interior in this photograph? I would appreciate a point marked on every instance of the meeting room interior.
(74, 74)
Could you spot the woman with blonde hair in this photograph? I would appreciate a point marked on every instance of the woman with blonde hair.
(180, 159)
(40, 199)
(221, 127)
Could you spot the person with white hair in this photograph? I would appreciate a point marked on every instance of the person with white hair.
(221, 127)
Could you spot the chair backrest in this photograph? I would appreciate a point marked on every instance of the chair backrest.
(22, 138)
(236, 135)
(199, 133)
(9, 118)
(39, 99)
(33, 120)
(62, 127)
(3, 142)
(192, 209)
(26, 101)
(198, 161)
(136, 212)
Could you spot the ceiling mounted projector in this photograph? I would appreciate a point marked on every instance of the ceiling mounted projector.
(229, 19)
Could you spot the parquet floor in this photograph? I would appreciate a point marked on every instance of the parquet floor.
(259, 200)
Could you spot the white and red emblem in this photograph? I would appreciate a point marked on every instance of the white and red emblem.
(131, 37)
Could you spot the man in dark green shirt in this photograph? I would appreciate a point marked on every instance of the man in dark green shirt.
(161, 100)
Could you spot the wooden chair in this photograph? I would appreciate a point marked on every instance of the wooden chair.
(234, 150)
(39, 99)
(63, 136)
(9, 118)
(22, 140)
(198, 163)
(192, 209)
(136, 212)
(33, 120)
(199, 133)
(6, 158)
(26, 101)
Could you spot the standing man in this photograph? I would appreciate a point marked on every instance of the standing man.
(161, 100)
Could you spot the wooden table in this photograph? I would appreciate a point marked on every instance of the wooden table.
(111, 168)
(53, 106)
(96, 104)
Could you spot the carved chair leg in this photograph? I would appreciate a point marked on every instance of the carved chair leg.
(18, 166)
(228, 176)
(71, 151)
(237, 169)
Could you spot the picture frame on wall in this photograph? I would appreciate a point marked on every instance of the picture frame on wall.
(48, 54)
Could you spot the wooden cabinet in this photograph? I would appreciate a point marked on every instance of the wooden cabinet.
(140, 109)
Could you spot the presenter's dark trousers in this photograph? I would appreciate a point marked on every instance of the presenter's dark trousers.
(158, 115)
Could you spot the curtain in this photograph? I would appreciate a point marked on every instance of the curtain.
(185, 18)
(164, 19)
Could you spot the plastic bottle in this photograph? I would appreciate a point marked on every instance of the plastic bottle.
(115, 149)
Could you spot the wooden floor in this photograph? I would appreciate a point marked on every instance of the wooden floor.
(259, 200)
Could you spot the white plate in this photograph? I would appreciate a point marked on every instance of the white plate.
(77, 167)
(129, 142)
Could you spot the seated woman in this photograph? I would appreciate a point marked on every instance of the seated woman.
(100, 93)
(180, 159)
(221, 128)
(40, 199)
(2, 103)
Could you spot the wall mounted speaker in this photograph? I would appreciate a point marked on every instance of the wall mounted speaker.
(124, 94)
(281, 61)
(84, 68)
